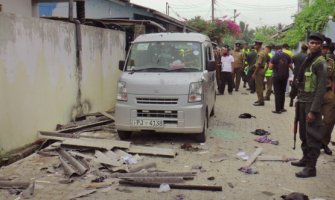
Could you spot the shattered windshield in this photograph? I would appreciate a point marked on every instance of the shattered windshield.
(165, 57)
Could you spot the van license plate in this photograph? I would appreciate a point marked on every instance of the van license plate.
(147, 123)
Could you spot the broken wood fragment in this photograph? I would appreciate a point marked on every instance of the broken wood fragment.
(167, 180)
(172, 186)
(81, 127)
(108, 115)
(253, 157)
(152, 151)
(14, 184)
(155, 174)
(144, 166)
(96, 143)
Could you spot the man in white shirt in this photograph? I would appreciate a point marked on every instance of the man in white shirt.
(227, 61)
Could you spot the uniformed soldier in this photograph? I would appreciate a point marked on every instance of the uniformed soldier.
(311, 84)
(238, 65)
(251, 59)
(297, 59)
(259, 73)
(268, 75)
(328, 107)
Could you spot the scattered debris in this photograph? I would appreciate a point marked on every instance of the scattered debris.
(99, 185)
(155, 179)
(246, 167)
(14, 184)
(164, 187)
(260, 132)
(295, 196)
(96, 143)
(242, 155)
(268, 193)
(189, 147)
(275, 158)
(29, 192)
(123, 189)
(211, 178)
(173, 186)
(152, 151)
(230, 185)
(180, 197)
(155, 174)
(108, 115)
(246, 116)
(144, 166)
(71, 165)
(84, 193)
(66, 181)
(265, 139)
(98, 180)
(218, 157)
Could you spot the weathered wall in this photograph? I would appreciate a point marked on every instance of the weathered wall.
(39, 77)
(19, 7)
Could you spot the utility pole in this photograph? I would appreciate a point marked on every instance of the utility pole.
(213, 2)
(167, 8)
(235, 15)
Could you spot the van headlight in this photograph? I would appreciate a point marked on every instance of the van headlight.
(195, 93)
(122, 91)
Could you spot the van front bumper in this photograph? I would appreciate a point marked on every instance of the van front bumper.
(186, 119)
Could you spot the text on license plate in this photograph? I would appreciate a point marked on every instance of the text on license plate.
(147, 123)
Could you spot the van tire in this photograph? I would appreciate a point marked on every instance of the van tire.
(124, 135)
(201, 137)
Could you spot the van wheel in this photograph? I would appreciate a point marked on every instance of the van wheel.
(201, 137)
(124, 135)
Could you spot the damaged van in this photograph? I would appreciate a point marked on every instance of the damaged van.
(167, 85)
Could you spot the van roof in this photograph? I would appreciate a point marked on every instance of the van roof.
(191, 37)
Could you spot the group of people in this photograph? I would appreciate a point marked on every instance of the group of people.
(312, 84)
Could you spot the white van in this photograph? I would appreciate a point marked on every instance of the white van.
(167, 85)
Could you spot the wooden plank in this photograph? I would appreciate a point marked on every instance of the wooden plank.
(108, 115)
(154, 174)
(167, 180)
(172, 186)
(96, 143)
(144, 166)
(253, 157)
(152, 151)
(78, 128)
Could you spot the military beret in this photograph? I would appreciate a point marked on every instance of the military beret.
(316, 36)
(327, 42)
(258, 42)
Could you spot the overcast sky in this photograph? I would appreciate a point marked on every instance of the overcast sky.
(253, 12)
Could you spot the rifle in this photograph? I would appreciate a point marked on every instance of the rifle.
(296, 122)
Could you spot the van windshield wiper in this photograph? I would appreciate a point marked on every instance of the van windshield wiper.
(150, 69)
(187, 69)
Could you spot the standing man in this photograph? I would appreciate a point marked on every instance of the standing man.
(311, 82)
(297, 59)
(217, 56)
(227, 62)
(245, 52)
(328, 107)
(251, 59)
(280, 63)
(259, 73)
(238, 65)
(268, 75)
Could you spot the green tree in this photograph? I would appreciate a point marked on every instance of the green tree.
(312, 18)
(248, 35)
(265, 34)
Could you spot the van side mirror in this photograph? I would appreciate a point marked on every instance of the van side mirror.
(121, 65)
(210, 65)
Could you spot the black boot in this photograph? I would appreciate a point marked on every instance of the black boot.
(299, 163)
(327, 150)
(306, 172)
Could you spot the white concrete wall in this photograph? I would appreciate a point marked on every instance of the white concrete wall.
(39, 78)
(19, 7)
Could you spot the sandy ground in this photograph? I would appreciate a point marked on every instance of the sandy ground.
(227, 136)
